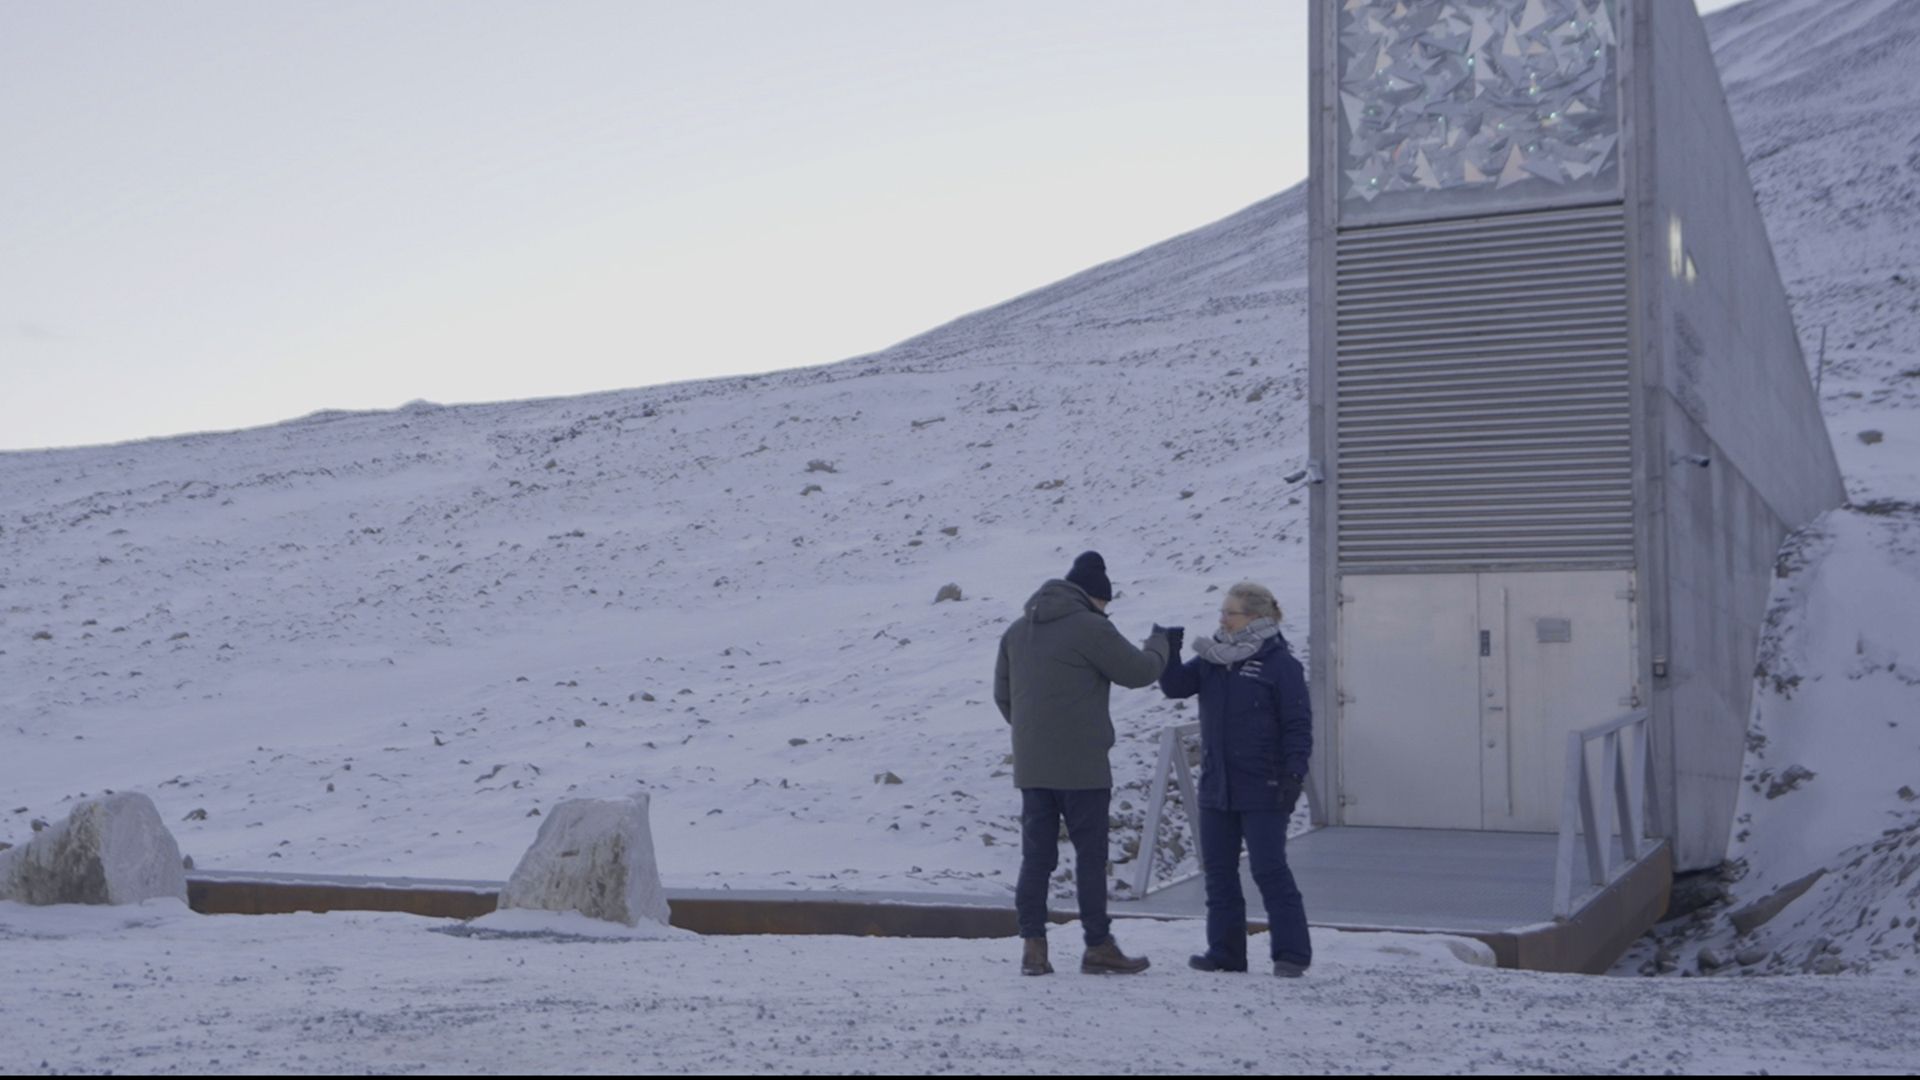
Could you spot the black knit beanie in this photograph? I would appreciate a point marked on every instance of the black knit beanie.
(1090, 573)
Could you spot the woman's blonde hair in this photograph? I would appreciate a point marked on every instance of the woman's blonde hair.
(1257, 599)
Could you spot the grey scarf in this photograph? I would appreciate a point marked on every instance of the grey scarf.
(1225, 649)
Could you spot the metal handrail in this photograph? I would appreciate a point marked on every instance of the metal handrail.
(1628, 801)
(1171, 744)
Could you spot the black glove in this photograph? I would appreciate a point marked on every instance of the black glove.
(1290, 788)
(1175, 635)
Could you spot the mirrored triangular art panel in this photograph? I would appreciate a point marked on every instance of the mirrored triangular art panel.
(1470, 106)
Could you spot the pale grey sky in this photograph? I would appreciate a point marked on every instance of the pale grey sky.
(221, 213)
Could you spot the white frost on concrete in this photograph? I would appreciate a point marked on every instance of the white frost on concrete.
(110, 850)
(593, 856)
(569, 925)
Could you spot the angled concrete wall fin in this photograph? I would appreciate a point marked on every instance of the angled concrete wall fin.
(1730, 356)
(1738, 451)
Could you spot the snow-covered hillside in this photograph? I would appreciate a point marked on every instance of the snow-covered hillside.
(386, 642)
(382, 642)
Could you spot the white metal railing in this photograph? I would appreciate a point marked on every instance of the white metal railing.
(1627, 802)
(1173, 759)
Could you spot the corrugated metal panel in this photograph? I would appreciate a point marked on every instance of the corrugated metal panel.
(1483, 406)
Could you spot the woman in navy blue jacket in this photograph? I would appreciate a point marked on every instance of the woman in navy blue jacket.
(1256, 736)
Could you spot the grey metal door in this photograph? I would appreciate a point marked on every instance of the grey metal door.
(1456, 692)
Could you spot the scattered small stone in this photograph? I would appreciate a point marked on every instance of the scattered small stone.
(1829, 964)
(951, 530)
(811, 488)
(1907, 794)
(44, 635)
(796, 741)
(646, 697)
(948, 591)
(1789, 780)
(577, 722)
(1693, 892)
(1049, 485)
(816, 465)
(535, 812)
(186, 862)
(1186, 494)
(180, 636)
(1871, 436)
(196, 815)
(887, 778)
(1750, 956)
(1710, 960)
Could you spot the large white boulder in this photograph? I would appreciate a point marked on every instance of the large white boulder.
(593, 856)
(110, 850)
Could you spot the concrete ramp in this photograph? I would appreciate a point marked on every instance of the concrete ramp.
(1493, 886)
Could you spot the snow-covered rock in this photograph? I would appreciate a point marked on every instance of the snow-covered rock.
(110, 850)
(593, 856)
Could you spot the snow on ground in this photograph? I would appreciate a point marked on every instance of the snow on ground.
(158, 990)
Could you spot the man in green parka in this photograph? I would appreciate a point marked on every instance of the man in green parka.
(1057, 664)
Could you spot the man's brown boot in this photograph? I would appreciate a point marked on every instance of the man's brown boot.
(1107, 959)
(1034, 962)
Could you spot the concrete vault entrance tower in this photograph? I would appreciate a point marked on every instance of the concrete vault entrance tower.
(1559, 410)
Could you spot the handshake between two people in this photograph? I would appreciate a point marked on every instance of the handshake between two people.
(1176, 635)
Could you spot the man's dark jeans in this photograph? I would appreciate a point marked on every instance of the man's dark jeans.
(1086, 814)
(1266, 835)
